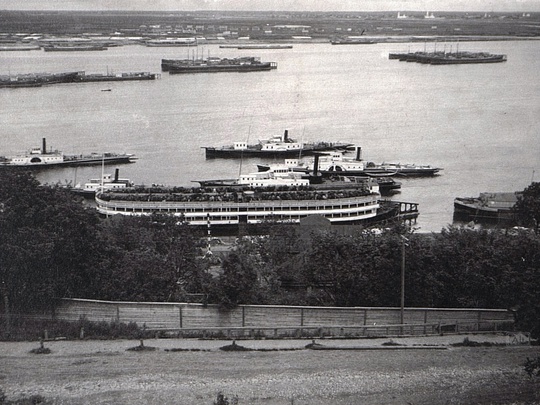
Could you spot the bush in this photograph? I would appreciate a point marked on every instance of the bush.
(532, 367)
(223, 400)
(31, 329)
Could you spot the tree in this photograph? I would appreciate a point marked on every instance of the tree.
(238, 282)
(150, 258)
(528, 207)
(47, 243)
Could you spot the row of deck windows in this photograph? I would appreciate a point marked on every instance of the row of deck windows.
(261, 217)
(244, 210)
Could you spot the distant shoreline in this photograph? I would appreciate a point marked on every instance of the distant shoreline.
(381, 39)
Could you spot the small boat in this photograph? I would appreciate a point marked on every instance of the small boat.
(107, 182)
(41, 158)
(488, 207)
(278, 146)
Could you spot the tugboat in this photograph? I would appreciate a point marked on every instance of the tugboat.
(278, 146)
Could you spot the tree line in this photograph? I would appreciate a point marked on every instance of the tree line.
(52, 246)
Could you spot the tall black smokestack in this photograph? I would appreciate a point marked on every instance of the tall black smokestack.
(286, 136)
(358, 153)
(316, 165)
(116, 175)
(44, 145)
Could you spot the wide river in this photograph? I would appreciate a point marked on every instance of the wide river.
(480, 123)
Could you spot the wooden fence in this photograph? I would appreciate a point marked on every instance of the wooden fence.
(189, 319)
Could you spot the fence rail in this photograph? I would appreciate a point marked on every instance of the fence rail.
(352, 331)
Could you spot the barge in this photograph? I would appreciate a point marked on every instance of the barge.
(215, 65)
(488, 207)
(174, 42)
(448, 58)
(41, 79)
(74, 48)
(115, 77)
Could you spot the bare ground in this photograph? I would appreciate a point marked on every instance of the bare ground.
(419, 371)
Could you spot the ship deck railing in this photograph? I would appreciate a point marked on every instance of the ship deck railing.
(232, 206)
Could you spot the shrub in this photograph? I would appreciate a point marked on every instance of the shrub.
(532, 367)
(223, 400)
(30, 329)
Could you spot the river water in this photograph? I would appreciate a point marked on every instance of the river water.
(480, 123)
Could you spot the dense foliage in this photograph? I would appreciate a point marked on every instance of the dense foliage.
(528, 207)
(52, 246)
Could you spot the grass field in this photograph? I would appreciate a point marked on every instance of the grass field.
(408, 371)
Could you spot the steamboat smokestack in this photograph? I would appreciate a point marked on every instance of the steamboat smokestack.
(116, 175)
(286, 136)
(43, 145)
(358, 153)
(315, 177)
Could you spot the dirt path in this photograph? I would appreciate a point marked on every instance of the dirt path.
(104, 372)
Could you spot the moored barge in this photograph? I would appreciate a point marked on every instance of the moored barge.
(488, 207)
(448, 58)
(215, 65)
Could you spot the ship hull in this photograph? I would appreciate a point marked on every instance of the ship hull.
(218, 68)
(212, 152)
(373, 172)
(73, 161)
(489, 208)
